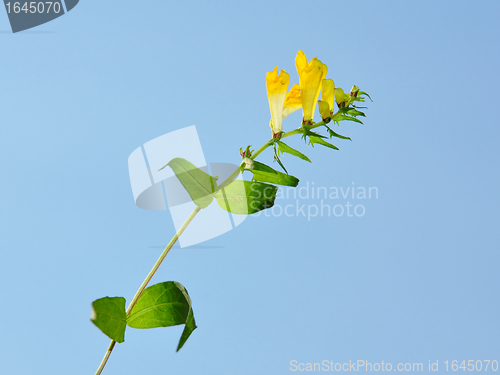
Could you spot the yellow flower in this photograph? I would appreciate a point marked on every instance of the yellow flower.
(311, 77)
(276, 92)
(327, 99)
(292, 101)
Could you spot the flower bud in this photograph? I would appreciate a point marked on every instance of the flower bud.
(354, 91)
(324, 109)
(328, 93)
(340, 97)
(248, 163)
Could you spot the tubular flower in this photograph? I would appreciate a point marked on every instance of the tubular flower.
(311, 77)
(276, 92)
(325, 105)
(292, 101)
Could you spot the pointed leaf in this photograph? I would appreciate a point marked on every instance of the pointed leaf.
(109, 315)
(264, 173)
(199, 185)
(277, 158)
(355, 112)
(339, 117)
(333, 134)
(364, 93)
(246, 197)
(164, 305)
(315, 139)
(189, 327)
(283, 147)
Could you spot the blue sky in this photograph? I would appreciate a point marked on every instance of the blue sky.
(414, 279)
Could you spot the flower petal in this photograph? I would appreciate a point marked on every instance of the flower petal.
(328, 92)
(292, 101)
(277, 85)
(324, 109)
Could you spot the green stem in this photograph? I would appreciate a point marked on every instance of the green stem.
(160, 259)
(181, 230)
(231, 177)
(105, 359)
(148, 279)
(285, 135)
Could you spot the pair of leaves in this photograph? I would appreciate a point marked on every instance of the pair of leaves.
(161, 305)
(248, 197)
(280, 147)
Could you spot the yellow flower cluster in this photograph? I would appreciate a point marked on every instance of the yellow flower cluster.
(312, 79)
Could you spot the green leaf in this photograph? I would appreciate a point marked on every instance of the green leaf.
(188, 329)
(340, 117)
(333, 134)
(364, 93)
(354, 112)
(306, 132)
(246, 197)
(109, 315)
(264, 173)
(313, 139)
(277, 158)
(199, 185)
(283, 147)
(164, 305)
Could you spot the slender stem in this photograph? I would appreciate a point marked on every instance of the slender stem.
(160, 259)
(181, 230)
(261, 149)
(105, 359)
(264, 146)
(285, 135)
(148, 279)
(231, 177)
